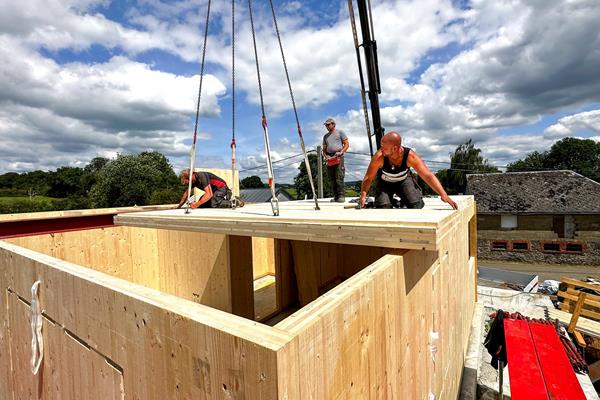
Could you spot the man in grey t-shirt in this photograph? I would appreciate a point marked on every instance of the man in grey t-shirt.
(335, 144)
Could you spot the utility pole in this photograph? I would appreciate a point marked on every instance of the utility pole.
(320, 171)
(370, 48)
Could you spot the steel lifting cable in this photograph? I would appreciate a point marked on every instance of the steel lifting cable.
(193, 150)
(287, 76)
(360, 73)
(233, 199)
(274, 201)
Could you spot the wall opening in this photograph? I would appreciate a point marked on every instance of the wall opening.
(521, 246)
(550, 247)
(499, 245)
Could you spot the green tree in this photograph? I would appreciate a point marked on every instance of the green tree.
(579, 155)
(40, 181)
(91, 173)
(252, 182)
(302, 183)
(466, 159)
(132, 179)
(66, 182)
(533, 162)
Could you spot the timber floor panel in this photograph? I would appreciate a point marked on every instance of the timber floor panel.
(398, 228)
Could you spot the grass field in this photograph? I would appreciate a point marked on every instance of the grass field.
(9, 200)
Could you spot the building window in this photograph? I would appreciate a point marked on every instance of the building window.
(499, 245)
(520, 246)
(576, 248)
(508, 221)
(551, 247)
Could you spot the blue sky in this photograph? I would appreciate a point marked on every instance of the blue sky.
(86, 78)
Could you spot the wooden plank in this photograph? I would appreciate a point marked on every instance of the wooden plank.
(241, 276)
(526, 378)
(578, 283)
(573, 295)
(579, 339)
(576, 312)
(587, 326)
(560, 379)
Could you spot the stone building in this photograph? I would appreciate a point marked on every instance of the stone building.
(545, 216)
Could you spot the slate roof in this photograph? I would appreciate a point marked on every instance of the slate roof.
(540, 192)
(263, 195)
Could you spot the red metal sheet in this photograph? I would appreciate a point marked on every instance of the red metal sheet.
(526, 379)
(561, 382)
(12, 228)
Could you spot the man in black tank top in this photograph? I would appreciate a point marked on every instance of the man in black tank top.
(392, 166)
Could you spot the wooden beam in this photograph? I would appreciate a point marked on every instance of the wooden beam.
(576, 312)
(241, 275)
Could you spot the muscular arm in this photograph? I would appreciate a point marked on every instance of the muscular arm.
(425, 173)
(208, 194)
(375, 164)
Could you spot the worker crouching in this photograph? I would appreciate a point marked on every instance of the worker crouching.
(216, 193)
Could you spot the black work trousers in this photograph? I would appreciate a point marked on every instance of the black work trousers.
(221, 199)
(408, 190)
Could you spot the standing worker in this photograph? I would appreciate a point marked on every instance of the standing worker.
(391, 164)
(335, 144)
(216, 193)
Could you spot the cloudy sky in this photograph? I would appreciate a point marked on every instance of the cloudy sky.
(86, 78)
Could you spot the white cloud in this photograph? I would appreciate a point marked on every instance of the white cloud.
(572, 124)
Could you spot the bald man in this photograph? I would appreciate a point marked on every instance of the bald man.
(391, 165)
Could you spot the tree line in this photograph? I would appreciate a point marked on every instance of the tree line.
(127, 180)
(148, 178)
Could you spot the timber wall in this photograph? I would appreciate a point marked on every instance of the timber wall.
(112, 330)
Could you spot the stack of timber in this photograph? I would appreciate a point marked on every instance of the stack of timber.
(161, 306)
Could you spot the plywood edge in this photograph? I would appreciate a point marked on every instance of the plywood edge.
(312, 312)
(262, 335)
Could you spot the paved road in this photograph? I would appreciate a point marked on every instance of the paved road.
(547, 271)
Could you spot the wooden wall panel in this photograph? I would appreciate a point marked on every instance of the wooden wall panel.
(89, 375)
(371, 336)
(191, 265)
(170, 348)
(263, 256)
(194, 266)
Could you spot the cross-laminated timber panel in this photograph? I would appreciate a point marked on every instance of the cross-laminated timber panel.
(369, 337)
(405, 229)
